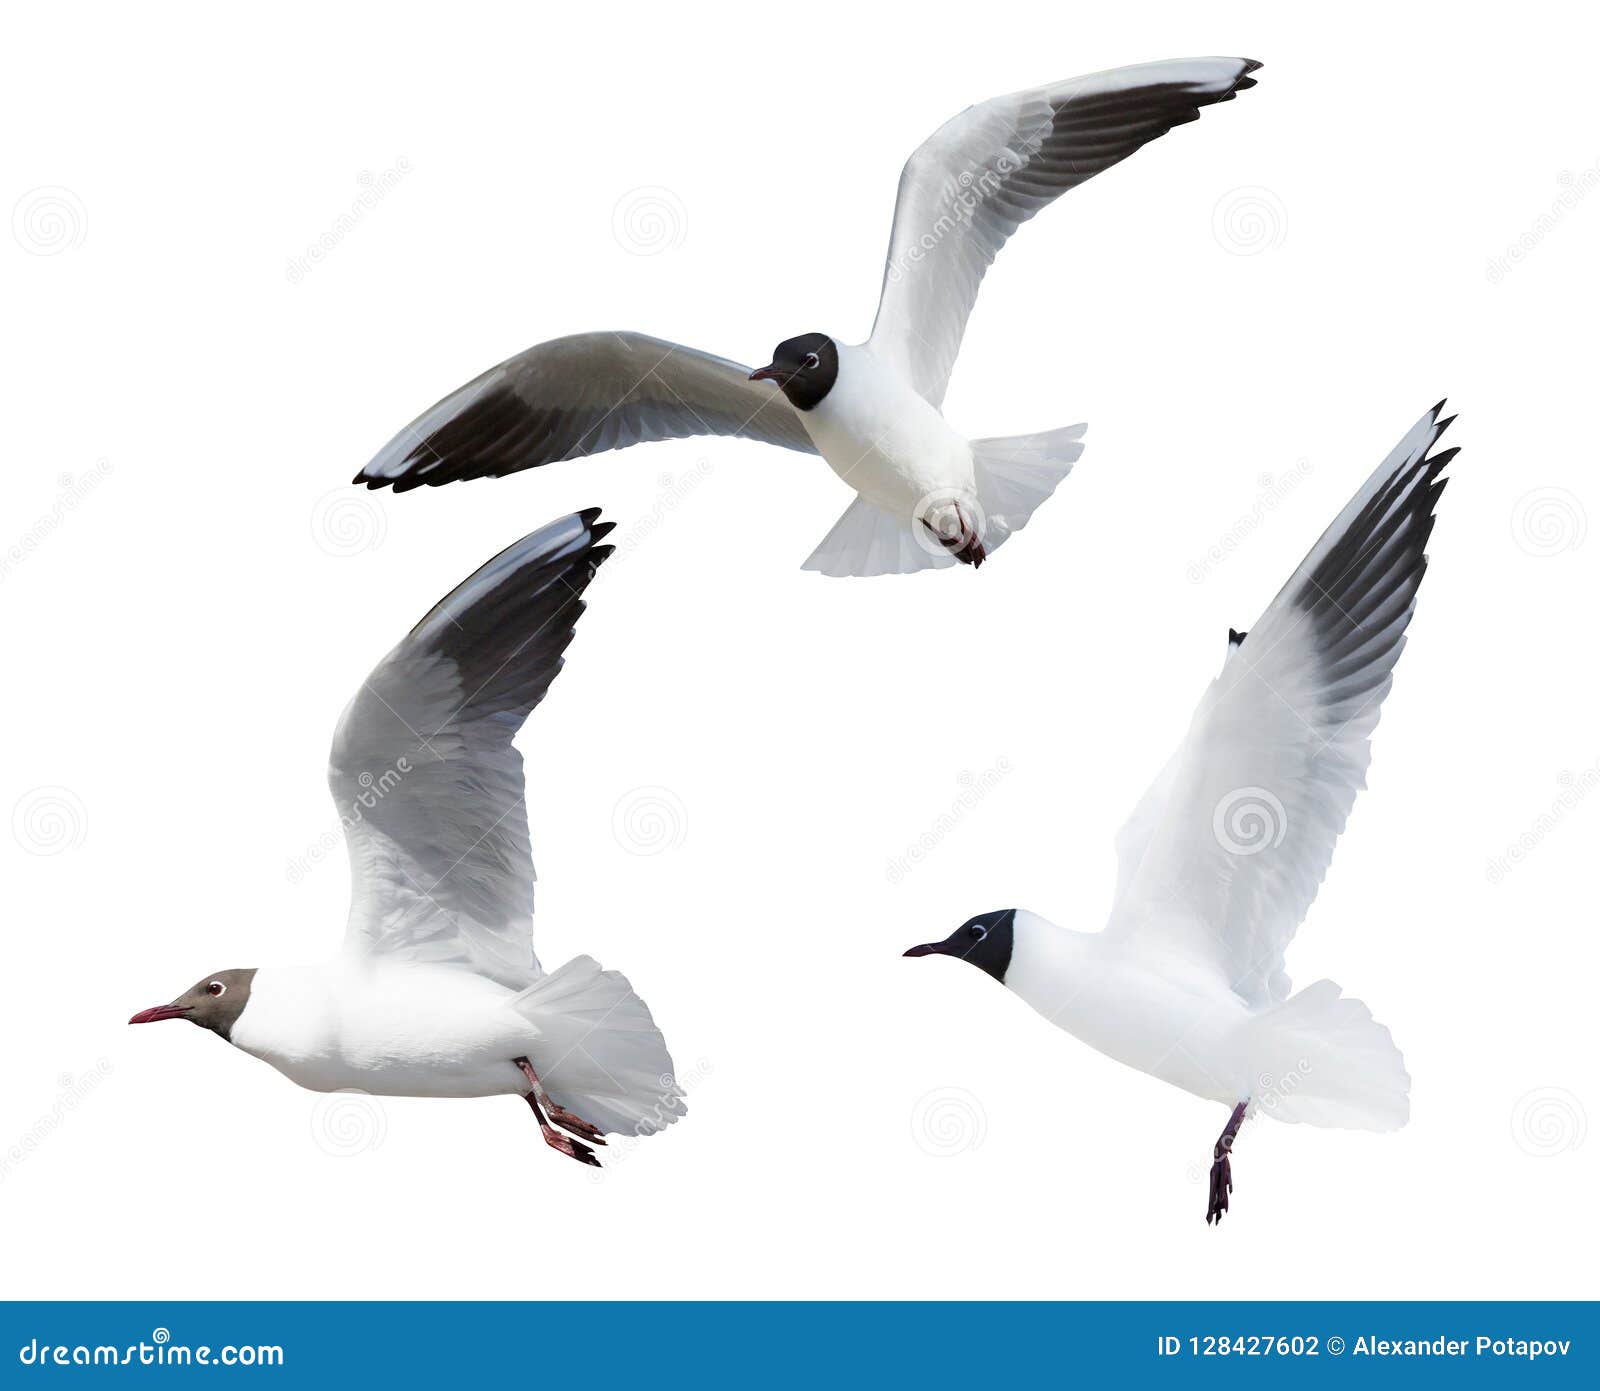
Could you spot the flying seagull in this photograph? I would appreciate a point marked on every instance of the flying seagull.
(927, 497)
(1224, 854)
(436, 990)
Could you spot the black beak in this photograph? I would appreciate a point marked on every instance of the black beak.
(926, 949)
(771, 373)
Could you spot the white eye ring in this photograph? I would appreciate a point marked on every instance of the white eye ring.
(811, 360)
(216, 988)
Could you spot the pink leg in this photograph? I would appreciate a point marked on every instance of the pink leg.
(1221, 1168)
(541, 1103)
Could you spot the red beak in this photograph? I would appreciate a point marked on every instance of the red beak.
(770, 373)
(155, 1012)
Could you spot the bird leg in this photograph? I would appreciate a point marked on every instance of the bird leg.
(539, 1098)
(1221, 1169)
(965, 545)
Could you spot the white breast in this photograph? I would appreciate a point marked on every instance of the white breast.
(883, 439)
(392, 1030)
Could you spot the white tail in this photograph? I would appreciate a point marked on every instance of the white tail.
(599, 1052)
(1320, 1058)
(1013, 476)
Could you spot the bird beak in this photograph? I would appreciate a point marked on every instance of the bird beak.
(926, 949)
(770, 373)
(155, 1012)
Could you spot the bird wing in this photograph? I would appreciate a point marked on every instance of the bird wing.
(427, 783)
(576, 396)
(984, 173)
(1223, 857)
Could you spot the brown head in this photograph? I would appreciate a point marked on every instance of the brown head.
(213, 1002)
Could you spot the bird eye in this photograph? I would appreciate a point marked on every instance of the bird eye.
(811, 361)
(216, 988)
(978, 933)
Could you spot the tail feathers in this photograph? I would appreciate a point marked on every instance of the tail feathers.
(867, 540)
(1013, 476)
(1017, 473)
(1320, 1058)
(599, 1053)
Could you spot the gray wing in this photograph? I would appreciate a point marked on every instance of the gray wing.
(1225, 854)
(980, 176)
(427, 783)
(577, 396)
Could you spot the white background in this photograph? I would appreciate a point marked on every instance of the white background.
(1249, 313)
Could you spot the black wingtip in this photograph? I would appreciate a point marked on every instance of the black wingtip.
(587, 515)
(1235, 637)
(1440, 406)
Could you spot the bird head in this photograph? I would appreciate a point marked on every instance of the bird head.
(985, 941)
(213, 1002)
(804, 369)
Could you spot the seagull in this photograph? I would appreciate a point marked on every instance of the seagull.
(927, 497)
(1223, 856)
(436, 990)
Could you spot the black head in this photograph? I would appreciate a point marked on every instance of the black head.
(985, 941)
(213, 1002)
(804, 368)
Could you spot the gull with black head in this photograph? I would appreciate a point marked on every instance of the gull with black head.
(927, 496)
(1222, 858)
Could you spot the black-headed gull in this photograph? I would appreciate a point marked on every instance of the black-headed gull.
(436, 991)
(928, 497)
(1224, 854)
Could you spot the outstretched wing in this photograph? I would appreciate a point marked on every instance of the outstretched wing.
(428, 785)
(980, 176)
(1226, 852)
(576, 396)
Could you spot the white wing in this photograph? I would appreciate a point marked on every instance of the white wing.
(980, 176)
(1226, 852)
(423, 772)
(577, 396)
